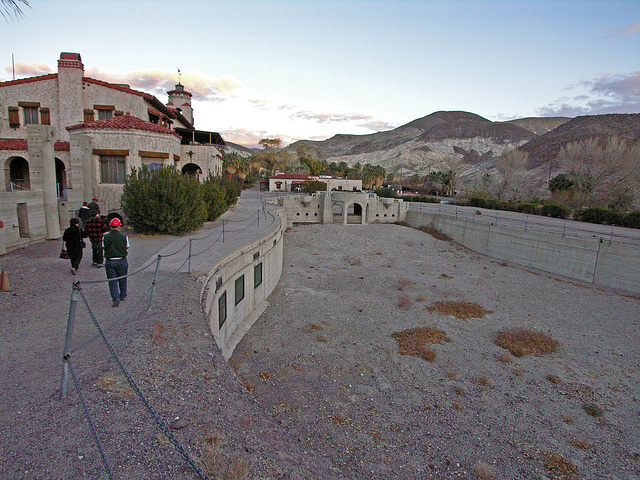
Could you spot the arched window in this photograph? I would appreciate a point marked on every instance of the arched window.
(18, 175)
(191, 169)
(61, 179)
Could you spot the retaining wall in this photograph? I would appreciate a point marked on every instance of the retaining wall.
(235, 290)
(592, 260)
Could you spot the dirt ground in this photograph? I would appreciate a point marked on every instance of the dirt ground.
(317, 388)
(323, 360)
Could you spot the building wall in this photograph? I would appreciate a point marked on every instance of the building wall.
(43, 91)
(85, 142)
(207, 157)
(321, 207)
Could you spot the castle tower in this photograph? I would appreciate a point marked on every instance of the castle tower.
(180, 99)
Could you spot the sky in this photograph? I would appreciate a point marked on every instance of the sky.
(311, 69)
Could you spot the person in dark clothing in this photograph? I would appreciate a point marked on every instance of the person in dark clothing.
(93, 206)
(84, 214)
(72, 238)
(96, 228)
(116, 245)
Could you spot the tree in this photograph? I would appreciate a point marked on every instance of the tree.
(218, 194)
(163, 201)
(312, 186)
(512, 167)
(602, 171)
(9, 8)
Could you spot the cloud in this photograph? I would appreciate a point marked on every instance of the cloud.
(358, 119)
(608, 93)
(158, 82)
(23, 70)
(626, 30)
(251, 138)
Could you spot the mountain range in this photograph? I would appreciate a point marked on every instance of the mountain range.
(468, 143)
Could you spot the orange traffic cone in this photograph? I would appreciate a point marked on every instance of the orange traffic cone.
(4, 282)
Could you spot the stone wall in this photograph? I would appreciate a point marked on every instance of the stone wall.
(591, 260)
(257, 266)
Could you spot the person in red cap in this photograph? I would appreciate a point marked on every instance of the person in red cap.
(93, 206)
(116, 246)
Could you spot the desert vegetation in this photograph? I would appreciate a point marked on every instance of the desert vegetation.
(523, 341)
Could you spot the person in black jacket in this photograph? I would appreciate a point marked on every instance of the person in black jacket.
(72, 238)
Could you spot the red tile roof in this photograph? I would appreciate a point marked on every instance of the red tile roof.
(20, 144)
(50, 76)
(123, 122)
(290, 176)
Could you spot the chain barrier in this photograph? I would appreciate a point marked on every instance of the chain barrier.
(156, 416)
(92, 427)
(68, 351)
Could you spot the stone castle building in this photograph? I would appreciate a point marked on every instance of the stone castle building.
(65, 138)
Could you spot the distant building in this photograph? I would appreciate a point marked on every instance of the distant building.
(65, 138)
(292, 182)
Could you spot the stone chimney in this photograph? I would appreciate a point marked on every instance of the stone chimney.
(70, 73)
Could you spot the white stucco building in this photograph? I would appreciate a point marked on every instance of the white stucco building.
(291, 182)
(65, 138)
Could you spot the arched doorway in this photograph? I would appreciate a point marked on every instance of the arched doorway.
(354, 213)
(61, 179)
(19, 178)
(192, 169)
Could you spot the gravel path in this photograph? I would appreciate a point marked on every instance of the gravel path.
(321, 391)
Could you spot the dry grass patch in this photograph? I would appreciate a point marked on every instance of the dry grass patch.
(593, 409)
(553, 379)
(559, 467)
(211, 461)
(353, 261)
(482, 381)
(459, 309)
(115, 384)
(404, 301)
(484, 471)
(403, 283)
(434, 232)
(522, 341)
(339, 420)
(413, 341)
(580, 443)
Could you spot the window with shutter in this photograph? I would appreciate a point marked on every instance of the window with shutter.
(14, 117)
(45, 116)
(88, 115)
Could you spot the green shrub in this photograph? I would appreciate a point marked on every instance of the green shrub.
(599, 215)
(218, 194)
(529, 208)
(386, 192)
(555, 210)
(163, 201)
(632, 219)
(419, 198)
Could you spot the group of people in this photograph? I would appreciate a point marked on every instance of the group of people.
(108, 244)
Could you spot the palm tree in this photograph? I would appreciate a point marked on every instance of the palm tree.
(10, 8)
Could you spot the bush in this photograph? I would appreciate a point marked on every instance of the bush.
(599, 215)
(632, 219)
(163, 201)
(386, 192)
(555, 210)
(218, 194)
(419, 198)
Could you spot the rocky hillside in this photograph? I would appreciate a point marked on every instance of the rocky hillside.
(546, 147)
(456, 140)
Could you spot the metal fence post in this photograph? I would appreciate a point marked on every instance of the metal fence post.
(75, 293)
(223, 230)
(153, 284)
(564, 227)
(258, 218)
(189, 259)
